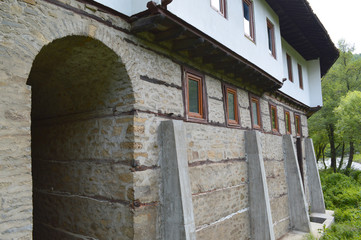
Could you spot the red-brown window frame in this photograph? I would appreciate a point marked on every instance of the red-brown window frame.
(257, 101)
(298, 129)
(300, 76)
(289, 130)
(289, 67)
(228, 89)
(223, 7)
(271, 107)
(251, 21)
(201, 116)
(272, 28)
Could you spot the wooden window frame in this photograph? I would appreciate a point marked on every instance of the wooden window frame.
(202, 115)
(288, 131)
(271, 26)
(255, 99)
(299, 129)
(251, 16)
(273, 106)
(289, 67)
(300, 76)
(223, 7)
(226, 89)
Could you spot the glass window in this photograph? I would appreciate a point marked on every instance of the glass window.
(219, 6)
(289, 67)
(195, 103)
(274, 119)
(231, 103)
(255, 111)
(248, 18)
(271, 38)
(298, 124)
(193, 96)
(300, 77)
(288, 122)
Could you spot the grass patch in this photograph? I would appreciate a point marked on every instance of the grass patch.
(343, 195)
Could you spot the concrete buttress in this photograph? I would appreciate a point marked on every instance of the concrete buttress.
(176, 200)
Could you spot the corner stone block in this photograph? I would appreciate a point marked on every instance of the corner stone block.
(177, 216)
(314, 183)
(297, 201)
(259, 203)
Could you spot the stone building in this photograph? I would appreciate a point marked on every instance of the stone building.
(158, 120)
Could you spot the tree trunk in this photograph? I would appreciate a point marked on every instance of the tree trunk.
(323, 159)
(331, 138)
(342, 155)
(350, 158)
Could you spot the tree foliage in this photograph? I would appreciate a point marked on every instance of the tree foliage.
(342, 78)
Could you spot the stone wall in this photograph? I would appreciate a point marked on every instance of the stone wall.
(97, 106)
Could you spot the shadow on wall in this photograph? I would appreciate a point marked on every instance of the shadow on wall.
(80, 144)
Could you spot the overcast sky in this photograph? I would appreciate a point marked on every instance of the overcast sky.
(342, 19)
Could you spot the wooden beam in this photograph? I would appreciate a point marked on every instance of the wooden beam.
(187, 43)
(202, 50)
(169, 34)
(146, 24)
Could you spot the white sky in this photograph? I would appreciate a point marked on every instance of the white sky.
(342, 19)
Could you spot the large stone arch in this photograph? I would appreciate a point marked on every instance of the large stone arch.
(81, 141)
(26, 31)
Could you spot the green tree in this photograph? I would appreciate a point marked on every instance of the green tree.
(348, 124)
(343, 77)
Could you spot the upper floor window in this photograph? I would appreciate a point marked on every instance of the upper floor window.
(219, 6)
(298, 124)
(289, 67)
(271, 38)
(255, 112)
(248, 19)
(231, 103)
(300, 77)
(194, 95)
(288, 122)
(274, 118)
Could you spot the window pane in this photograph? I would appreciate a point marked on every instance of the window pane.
(216, 4)
(270, 43)
(231, 113)
(274, 124)
(288, 123)
(193, 96)
(254, 113)
(247, 23)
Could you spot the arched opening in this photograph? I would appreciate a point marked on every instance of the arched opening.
(82, 183)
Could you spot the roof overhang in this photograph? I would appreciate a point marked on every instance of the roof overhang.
(168, 31)
(302, 29)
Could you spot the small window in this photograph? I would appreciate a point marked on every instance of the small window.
(300, 77)
(248, 19)
(231, 103)
(288, 122)
(289, 67)
(194, 95)
(219, 6)
(274, 118)
(255, 112)
(298, 124)
(271, 38)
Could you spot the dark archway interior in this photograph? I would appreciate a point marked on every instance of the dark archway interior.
(80, 167)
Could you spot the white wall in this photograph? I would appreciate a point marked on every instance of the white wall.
(127, 7)
(315, 87)
(311, 94)
(230, 31)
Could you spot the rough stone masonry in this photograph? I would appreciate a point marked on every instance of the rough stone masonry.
(80, 143)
